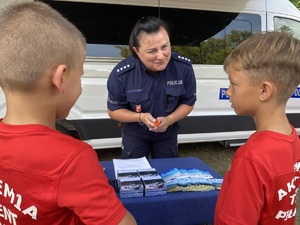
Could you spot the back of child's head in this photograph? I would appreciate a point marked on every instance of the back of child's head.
(271, 56)
(34, 38)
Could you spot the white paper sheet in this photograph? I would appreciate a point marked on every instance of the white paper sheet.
(130, 164)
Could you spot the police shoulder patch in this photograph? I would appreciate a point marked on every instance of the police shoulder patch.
(181, 58)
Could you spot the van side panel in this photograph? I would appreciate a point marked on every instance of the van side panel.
(206, 30)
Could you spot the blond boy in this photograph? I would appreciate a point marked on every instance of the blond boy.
(260, 186)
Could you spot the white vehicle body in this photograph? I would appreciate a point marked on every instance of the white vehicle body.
(212, 119)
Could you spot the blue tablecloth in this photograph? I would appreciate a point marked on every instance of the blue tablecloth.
(178, 208)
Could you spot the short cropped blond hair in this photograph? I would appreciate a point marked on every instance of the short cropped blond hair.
(272, 56)
(34, 38)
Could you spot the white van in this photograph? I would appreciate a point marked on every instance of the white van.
(202, 30)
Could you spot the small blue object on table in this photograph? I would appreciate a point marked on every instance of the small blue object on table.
(177, 208)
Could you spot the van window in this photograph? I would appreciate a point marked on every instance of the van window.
(206, 41)
(288, 25)
(204, 36)
(215, 48)
(103, 50)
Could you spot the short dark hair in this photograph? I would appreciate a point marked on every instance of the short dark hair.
(148, 25)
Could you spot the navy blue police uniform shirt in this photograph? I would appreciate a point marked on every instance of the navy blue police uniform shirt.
(131, 87)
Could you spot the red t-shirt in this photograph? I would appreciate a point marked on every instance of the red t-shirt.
(50, 178)
(260, 187)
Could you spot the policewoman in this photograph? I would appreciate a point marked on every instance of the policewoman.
(150, 91)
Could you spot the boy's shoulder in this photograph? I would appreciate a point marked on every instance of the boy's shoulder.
(264, 145)
(68, 141)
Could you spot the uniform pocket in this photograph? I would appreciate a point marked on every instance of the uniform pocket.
(136, 98)
(173, 94)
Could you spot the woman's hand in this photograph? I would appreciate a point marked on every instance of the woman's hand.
(161, 124)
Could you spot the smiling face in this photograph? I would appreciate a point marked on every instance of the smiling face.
(243, 95)
(154, 50)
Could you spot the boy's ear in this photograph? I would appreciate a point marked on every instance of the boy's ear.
(58, 77)
(267, 89)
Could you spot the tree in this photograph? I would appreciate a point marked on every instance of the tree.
(296, 3)
(213, 50)
(124, 51)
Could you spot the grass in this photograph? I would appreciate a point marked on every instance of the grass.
(213, 154)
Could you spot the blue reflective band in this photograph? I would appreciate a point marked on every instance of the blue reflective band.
(222, 95)
(296, 94)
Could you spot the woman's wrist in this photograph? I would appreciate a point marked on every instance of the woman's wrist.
(170, 119)
(140, 119)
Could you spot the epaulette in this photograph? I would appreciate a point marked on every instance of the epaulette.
(181, 58)
(124, 66)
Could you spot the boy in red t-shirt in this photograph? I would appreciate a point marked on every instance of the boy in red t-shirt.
(47, 177)
(261, 184)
